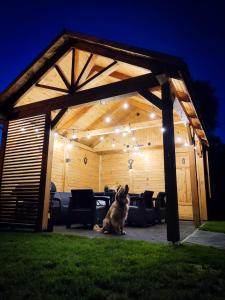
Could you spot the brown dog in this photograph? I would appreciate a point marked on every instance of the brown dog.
(117, 214)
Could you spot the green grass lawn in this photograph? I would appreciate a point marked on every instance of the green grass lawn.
(215, 226)
(51, 266)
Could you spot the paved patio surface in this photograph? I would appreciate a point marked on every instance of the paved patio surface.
(207, 238)
(155, 233)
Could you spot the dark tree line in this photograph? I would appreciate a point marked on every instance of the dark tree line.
(208, 107)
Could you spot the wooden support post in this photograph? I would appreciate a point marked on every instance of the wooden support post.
(194, 188)
(173, 232)
(3, 144)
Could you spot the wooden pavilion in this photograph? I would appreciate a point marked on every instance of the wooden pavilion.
(82, 111)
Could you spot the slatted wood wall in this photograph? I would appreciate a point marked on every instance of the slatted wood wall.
(21, 202)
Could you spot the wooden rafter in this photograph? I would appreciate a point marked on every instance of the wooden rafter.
(100, 75)
(63, 77)
(72, 80)
(58, 117)
(84, 69)
(43, 86)
(109, 91)
(152, 98)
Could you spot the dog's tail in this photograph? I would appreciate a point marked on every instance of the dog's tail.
(97, 228)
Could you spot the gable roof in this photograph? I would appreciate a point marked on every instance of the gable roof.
(157, 62)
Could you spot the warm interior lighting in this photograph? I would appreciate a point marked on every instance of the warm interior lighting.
(88, 136)
(22, 129)
(186, 144)
(152, 115)
(124, 150)
(74, 136)
(124, 134)
(125, 105)
(56, 134)
(179, 139)
(101, 138)
(108, 119)
(36, 130)
(117, 130)
(133, 138)
(113, 145)
(69, 146)
(162, 129)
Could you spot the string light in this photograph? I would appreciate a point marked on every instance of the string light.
(69, 146)
(22, 129)
(101, 138)
(124, 150)
(124, 134)
(186, 144)
(162, 129)
(56, 134)
(152, 115)
(133, 138)
(113, 145)
(108, 119)
(36, 130)
(117, 130)
(74, 136)
(179, 139)
(88, 136)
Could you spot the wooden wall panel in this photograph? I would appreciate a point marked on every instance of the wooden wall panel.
(201, 188)
(74, 173)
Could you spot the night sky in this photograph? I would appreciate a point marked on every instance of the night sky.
(192, 30)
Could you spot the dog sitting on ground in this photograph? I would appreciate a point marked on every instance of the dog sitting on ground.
(117, 214)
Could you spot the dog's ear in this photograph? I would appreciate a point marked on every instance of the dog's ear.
(126, 188)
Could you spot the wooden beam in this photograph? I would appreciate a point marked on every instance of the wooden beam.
(72, 80)
(173, 233)
(58, 117)
(99, 76)
(122, 128)
(85, 71)
(43, 86)
(63, 77)
(194, 187)
(151, 98)
(108, 91)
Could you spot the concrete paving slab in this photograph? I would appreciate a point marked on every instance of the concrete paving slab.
(207, 238)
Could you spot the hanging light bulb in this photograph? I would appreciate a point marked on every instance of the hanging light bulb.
(88, 136)
(56, 134)
(117, 130)
(22, 129)
(124, 134)
(69, 146)
(36, 130)
(186, 144)
(133, 138)
(162, 129)
(179, 139)
(101, 138)
(124, 150)
(113, 145)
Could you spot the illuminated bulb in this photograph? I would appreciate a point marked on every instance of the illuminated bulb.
(152, 115)
(117, 130)
(88, 136)
(195, 147)
(129, 130)
(124, 150)
(69, 146)
(125, 105)
(179, 139)
(102, 102)
(22, 129)
(185, 144)
(162, 129)
(101, 138)
(56, 134)
(74, 136)
(36, 130)
(108, 119)
(133, 138)
(124, 134)
(136, 148)
(113, 145)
